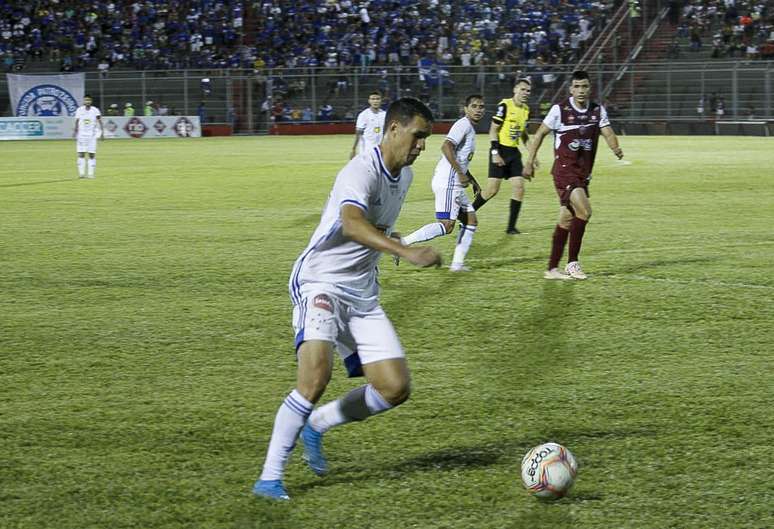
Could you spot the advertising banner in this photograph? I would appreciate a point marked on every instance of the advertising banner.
(45, 95)
(140, 127)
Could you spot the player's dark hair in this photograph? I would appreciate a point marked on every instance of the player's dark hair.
(580, 75)
(375, 93)
(471, 98)
(524, 80)
(88, 95)
(404, 109)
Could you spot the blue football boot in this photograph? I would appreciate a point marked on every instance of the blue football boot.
(271, 488)
(313, 454)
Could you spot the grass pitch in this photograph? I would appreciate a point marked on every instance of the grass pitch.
(145, 344)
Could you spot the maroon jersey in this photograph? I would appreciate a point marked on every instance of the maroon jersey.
(576, 136)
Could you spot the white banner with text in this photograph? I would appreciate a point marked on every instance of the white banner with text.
(137, 127)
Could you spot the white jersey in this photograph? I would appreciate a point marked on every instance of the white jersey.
(371, 125)
(345, 267)
(463, 136)
(88, 126)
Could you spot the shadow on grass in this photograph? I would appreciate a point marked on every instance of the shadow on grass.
(634, 268)
(41, 182)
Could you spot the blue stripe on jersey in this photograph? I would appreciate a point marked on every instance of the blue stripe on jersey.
(442, 215)
(384, 169)
(355, 202)
(295, 285)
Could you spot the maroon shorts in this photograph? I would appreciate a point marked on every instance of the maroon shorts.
(565, 185)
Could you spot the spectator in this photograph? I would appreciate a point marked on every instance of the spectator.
(148, 110)
(201, 111)
(128, 110)
(112, 110)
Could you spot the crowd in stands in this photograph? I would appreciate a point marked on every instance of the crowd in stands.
(140, 34)
(732, 28)
(166, 34)
(333, 33)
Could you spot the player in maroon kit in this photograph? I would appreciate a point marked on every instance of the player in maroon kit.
(576, 123)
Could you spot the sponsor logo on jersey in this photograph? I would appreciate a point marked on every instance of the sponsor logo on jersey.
(581, 144)
(46, 100)
(322, 301)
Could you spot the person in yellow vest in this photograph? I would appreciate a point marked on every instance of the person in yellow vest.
(507, 131)
(149, 110)
(128, 110)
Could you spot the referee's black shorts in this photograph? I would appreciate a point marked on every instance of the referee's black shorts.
(513, 167)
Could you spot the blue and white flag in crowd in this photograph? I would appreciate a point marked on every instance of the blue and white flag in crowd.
(46, 95)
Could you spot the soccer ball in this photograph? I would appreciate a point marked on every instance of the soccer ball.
(548, 471)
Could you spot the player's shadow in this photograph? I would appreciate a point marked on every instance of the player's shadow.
(39, 182)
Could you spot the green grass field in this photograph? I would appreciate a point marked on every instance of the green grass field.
(145, 344)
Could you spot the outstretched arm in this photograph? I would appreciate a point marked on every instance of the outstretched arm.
(612, 141)
(357, 228)
(537, 140)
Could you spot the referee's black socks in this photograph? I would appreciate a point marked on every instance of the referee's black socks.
(479, 201)
(514, 216)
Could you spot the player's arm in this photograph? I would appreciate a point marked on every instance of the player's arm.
(612, 141)
(537, 140)
(525, 142)
(494, 139)
(101, 128)
(75, 130)
(448, 151)
(356, 227)
(358, 135)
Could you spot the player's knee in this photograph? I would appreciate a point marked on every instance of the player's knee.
(583, 213)
(448, 225)
(395, 391)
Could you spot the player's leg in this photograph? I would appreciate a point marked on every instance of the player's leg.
(383, 363)
(496, 175)
(316, 322)
(517, 197)
(446, 210)
(558, 241)
(492, 188)
(468, 228)
(92, 164)
(80, 149)
(581, 207)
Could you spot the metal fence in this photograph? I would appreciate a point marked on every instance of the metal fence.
(251, 101)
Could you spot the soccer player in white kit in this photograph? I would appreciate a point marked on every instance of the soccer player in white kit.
(369, 125)
(451, 176)
(88, 127)
(335, 295)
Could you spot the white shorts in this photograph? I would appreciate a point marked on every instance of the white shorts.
(86, 144)
(360, 336)
(449, 200)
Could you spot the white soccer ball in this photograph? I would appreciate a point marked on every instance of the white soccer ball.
(548, 471)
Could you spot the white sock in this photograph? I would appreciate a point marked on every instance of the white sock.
(291, 417)
(92, 166)
(425, 233)
(326, 417)
(81, 166)
(464, 240)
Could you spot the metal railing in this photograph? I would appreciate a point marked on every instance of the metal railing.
(251, 101)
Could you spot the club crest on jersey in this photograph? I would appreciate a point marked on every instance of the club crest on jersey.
(323, 302)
